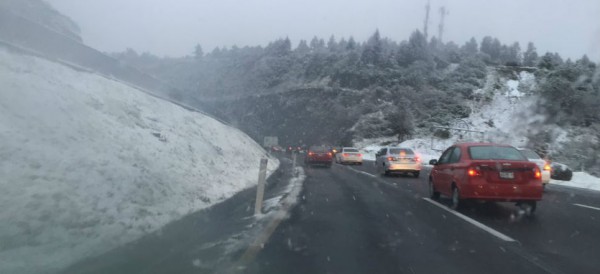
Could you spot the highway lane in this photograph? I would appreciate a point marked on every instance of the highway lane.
(350, 221)
(564, 232)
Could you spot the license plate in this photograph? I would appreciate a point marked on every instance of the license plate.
(507, 175)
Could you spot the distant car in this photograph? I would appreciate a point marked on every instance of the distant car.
(276, 149)
(319, 155)
(542, 164)
(485, 171)
(295, 149)
(561, 172)
(335, 150)
(390, 160)
(349, 155)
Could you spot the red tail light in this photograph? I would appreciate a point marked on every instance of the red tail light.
(537, 173)
(310, 153)
(359, 155)
(329, 154)
(391, 158)
(417, 159)
(346, 155)
(474, 171)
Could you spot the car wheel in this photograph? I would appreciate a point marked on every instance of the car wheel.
(416, 174)
(432, 193)
(529, 208)
(455, 202)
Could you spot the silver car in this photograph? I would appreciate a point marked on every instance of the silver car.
(349, 155)
(390, 160)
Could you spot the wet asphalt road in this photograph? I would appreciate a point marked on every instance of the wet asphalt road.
(351, 220)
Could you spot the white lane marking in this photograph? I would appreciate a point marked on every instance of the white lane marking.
(362, 172)
(587, 206)
(366, 173)
(473, 222)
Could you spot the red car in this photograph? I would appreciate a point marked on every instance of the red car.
(484, 171)
(320, 155)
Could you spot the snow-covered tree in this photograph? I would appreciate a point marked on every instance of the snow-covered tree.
(530, 57)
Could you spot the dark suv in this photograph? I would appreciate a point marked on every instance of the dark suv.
(319, 155)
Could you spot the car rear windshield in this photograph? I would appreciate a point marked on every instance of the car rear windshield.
(400, 151)
(495, 153)
(319, 149)
(530, 154)
(350, 150)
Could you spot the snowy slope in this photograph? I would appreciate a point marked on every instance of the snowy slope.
(87, 164)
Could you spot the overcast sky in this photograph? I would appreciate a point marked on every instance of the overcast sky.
(174, 27)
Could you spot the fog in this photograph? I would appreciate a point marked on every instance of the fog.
(172, 28)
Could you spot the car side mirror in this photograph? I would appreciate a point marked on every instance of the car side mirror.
(433, 162)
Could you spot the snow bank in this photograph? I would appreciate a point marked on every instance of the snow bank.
(87, 164)
(580, 180)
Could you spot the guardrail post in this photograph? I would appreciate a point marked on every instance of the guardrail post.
(260, 190)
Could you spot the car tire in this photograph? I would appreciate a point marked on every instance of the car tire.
(455, 198)
(432, 193)
(529, 208)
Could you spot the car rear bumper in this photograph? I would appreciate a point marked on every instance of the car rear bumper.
(498, 192)
(404, 167)
(319, 162)
(350, 160)
(545, 176)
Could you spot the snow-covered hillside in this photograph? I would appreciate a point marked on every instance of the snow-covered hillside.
(87, 163)
(506, 113)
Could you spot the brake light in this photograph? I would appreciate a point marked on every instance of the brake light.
(328, 153)
(417, 159)
(345, 154)
(473, 172)
(537, 173)
(359, 155)
(547, 167)
(391, 158)
(310, 153)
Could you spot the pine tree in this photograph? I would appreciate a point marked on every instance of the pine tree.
(373, 51)
(302, 47)
(198, 53)
(332, 44)
(530, 57)
(351, 44)
(470, 48)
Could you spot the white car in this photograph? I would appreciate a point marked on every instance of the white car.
(349, 155)
(398, 160)
(544, 165)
